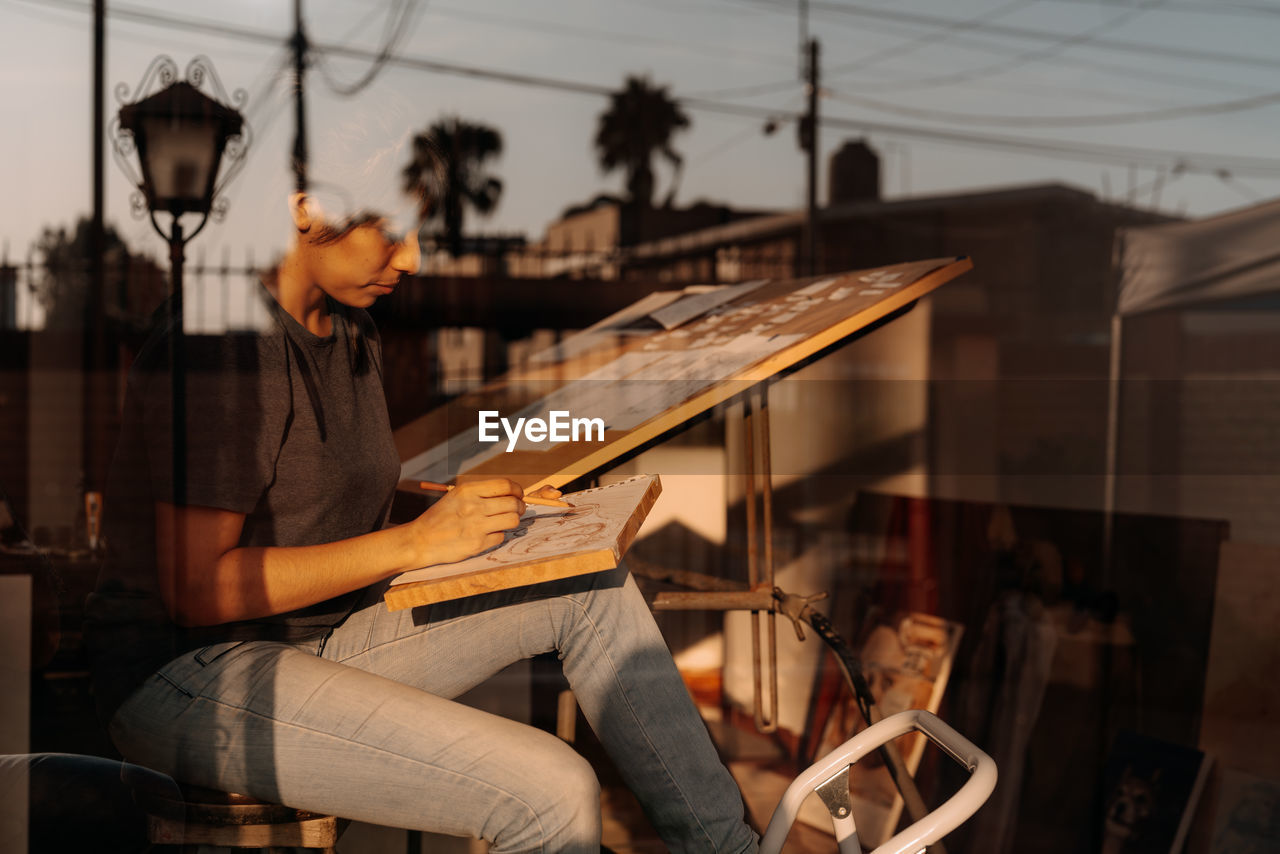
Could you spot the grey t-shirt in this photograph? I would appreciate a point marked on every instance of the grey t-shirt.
(284, 426)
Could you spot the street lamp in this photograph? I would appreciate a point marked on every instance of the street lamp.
(180, 133)
(182, 138)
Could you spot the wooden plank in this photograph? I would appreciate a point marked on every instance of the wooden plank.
(503, 577)
(415, 593)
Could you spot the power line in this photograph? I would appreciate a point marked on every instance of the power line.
(397, 28)
(596, 34)
(747, 133)
(1128, 117)
(241, 33)
(1039, 54)
(1128, 72)
(1031, 34)
(264, 91)
(63, 18)
(1197, 8)
(749, 91)
(1262, 10)
(418, 63)
(935, 35)
(1201, 162)
(1113, 95)
(970, 41)
(686, 8)
(897, 51)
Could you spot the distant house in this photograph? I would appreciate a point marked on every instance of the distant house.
(587, 241)
(591, 240)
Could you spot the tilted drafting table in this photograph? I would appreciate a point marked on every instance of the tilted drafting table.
(648, 370)
(652, 367)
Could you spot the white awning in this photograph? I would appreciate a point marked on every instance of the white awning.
(1184, 263)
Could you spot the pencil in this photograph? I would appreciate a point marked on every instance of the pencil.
(528, 499)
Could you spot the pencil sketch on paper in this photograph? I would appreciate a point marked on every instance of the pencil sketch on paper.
(603, 519)
(558, 531)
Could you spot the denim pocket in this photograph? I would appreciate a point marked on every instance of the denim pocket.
(209, 654)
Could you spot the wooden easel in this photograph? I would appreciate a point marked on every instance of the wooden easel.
(758, 598)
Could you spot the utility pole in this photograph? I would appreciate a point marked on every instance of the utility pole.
(94, 359)
(808, 133)
(96, 233)
(299, 44)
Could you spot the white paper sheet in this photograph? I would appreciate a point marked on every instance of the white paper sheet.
(594, 522)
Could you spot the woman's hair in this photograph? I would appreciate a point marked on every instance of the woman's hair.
(328, 232)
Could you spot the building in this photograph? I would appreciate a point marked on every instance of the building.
(590, 239)
(586, 241)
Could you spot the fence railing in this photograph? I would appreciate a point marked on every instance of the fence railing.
(220, 293)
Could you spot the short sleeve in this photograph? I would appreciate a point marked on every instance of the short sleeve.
(238, 405)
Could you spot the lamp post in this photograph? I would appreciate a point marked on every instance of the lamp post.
(182, 137)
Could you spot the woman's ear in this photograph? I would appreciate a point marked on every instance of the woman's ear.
(302, 212)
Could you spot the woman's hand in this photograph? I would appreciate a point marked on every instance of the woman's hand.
(466, 521)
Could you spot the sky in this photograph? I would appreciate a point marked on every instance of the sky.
(1168, 105)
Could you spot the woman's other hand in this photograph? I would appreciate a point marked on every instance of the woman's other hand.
(466, 521)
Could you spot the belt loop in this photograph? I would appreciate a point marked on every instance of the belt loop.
(324, 639)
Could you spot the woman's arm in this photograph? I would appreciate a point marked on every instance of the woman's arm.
(206, 579)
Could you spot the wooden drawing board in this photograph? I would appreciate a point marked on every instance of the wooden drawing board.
(644, 382)
(551, 542)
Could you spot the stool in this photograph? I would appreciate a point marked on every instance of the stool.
(210, 817)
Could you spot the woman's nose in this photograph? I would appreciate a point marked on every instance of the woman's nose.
(408, 257)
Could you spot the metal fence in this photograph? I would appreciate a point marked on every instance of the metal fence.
(221, 292)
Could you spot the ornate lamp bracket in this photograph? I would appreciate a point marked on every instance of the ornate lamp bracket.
(161, 74)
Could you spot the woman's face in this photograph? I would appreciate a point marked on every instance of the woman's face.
(364, 263)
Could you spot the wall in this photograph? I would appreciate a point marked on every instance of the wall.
(1200, 410)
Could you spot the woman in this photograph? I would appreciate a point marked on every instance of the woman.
(241, 640)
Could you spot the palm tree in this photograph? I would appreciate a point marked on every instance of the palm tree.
(446, 173)
(640, 121)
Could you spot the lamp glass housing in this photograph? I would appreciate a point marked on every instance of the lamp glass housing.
(180, 161)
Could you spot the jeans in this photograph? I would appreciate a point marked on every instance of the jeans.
(361, 723)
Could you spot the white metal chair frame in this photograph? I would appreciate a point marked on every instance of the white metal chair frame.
(829, 777)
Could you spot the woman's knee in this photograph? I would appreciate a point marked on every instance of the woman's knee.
(572, 802)
(560, 811)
